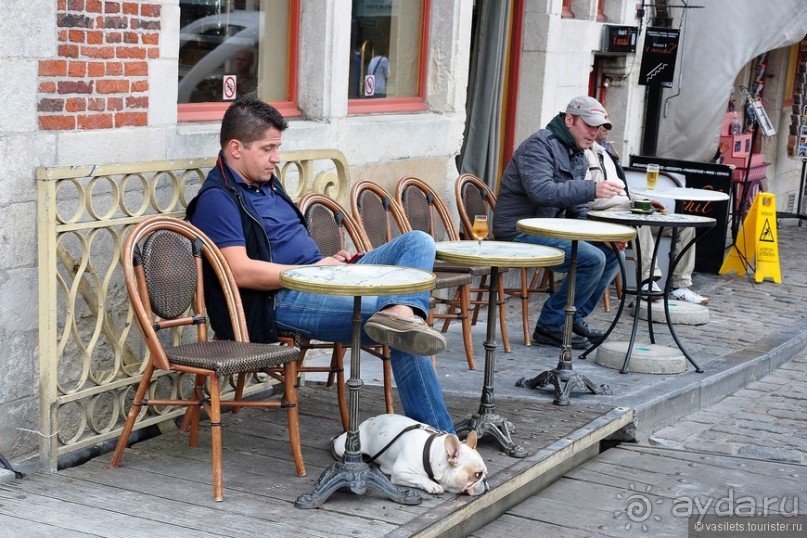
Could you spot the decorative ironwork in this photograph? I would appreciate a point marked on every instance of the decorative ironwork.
(91, 353)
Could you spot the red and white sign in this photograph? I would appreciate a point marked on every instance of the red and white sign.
(228, 87)
(369, 85)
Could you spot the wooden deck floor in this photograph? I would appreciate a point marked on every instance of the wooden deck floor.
(652, 491)
(163, 488)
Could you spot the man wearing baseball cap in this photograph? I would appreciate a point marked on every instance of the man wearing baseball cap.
(547, 178)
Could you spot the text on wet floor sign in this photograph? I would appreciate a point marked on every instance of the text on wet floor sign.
(756, 242)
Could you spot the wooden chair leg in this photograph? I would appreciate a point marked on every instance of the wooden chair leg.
(452, 306)
(131, 418)
(479, 298)
(467, 337)
(292, 406)
(215, 438)
(503, 314)
(542, 280)
(525, 308)
(239, 392)
(193, 415)
(335, 367)
(387, 369)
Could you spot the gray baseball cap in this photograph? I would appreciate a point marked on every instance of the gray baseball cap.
(590, 110)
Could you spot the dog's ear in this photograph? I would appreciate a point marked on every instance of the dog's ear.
(471, 439)
(452, 444)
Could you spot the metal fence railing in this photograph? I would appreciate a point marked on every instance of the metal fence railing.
(91, 353)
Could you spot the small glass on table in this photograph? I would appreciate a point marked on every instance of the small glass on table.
(480, 228)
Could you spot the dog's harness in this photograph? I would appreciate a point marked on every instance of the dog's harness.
(426, 448)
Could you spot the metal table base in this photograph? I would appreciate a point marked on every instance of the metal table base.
(486, 421)
(352, 472)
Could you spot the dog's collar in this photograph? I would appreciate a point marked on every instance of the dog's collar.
(427, 466)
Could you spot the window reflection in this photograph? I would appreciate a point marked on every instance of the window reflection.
(225, 53)
(385, 48)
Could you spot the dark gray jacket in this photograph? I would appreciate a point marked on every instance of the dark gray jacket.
(545, 178)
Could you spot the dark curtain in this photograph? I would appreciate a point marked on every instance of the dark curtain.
(483, 127)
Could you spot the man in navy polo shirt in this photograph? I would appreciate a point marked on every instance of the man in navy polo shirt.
(243, 208)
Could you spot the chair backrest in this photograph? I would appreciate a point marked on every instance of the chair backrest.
(474, 197)
(424, 209)
(162, 262)
(331, 226)
(381, 216)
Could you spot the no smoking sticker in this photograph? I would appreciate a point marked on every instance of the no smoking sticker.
(228, 87)
(369, 85)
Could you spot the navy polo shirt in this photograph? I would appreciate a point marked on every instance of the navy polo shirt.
(218, 216)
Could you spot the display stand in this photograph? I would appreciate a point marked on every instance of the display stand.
(798, 214)
(797, 138)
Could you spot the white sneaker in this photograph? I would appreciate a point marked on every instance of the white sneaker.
(651, 286)
(689, 296)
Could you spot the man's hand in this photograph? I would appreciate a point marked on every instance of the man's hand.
(340, 257)
(620, 245)
(609, 188)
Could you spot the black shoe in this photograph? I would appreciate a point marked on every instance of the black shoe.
(555, 338)
(581, 327)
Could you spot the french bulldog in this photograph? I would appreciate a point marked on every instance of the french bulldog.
(421, 457)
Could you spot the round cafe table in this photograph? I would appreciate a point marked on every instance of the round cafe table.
(563, 377)
(357, 280)
(494, 254)
(674, 221)
(684, 193)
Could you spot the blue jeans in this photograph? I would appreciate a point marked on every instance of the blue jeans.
(329, 318)
(597, 266)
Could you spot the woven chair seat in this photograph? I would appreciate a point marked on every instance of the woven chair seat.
(473, 270)
(451, 280)
(226, 357)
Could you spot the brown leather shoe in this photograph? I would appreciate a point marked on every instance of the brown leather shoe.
(410, 334)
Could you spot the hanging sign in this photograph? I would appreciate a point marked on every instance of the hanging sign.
(619, 38)
(658, 57)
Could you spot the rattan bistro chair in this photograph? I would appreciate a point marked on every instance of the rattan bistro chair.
(426, 211)
(163, 260)
(474, 197)
(333, 229)
(382, 219)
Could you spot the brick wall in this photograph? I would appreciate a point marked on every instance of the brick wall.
(99, 78)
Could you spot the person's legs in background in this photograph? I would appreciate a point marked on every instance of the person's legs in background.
(609, 272)
(682, 276)
(646, 236)
(591, 262)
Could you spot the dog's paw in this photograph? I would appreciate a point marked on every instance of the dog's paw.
(434, 488)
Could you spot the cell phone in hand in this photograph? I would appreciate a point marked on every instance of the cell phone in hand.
(356, 257)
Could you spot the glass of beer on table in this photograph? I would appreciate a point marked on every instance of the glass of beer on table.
(480, 228)
(652, 176)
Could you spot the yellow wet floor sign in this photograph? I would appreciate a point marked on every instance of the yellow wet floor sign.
(756, 241)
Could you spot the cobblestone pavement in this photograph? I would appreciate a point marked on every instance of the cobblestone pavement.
(765, 420)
